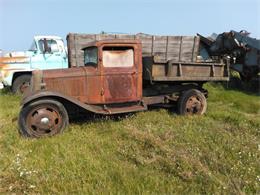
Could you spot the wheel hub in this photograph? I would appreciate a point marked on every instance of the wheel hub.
(45, 121)
(193, 105)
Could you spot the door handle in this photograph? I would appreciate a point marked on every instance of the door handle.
(133, 73)
(102, 92)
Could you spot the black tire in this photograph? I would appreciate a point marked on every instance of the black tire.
(192, 102)
(42, 118)
(20, 83)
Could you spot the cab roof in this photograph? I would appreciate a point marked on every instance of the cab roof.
(38, 37)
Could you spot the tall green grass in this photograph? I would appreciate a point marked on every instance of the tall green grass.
(154, 152)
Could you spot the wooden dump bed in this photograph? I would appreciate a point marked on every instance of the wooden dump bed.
(163, 48)
(184, 71)
(157, 51)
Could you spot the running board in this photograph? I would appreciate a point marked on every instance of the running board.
(124, 109)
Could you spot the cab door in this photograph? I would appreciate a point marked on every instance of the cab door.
(120, 74)
(93, 85)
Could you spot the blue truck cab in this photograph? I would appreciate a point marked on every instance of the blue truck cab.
(46, 52)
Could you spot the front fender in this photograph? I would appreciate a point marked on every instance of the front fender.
(8, 75)
(31, 97)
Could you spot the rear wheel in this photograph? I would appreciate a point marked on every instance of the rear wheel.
(21, 83)
(192, 102)
(43, 118)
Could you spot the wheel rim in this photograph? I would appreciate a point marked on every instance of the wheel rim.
(194, 105)
(44, 120)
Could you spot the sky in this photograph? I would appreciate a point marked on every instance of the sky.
(20, 20)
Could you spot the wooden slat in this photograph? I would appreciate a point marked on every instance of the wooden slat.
(164, 48)
(122, 36)
(189, 78)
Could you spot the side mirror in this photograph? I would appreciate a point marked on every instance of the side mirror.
(34, 51)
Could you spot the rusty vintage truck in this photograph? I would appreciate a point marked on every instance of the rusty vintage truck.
(113, 74)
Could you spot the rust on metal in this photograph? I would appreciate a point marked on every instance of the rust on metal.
(123, 84)
(10, 60)
(100, 85)
(70, 82)
(6, 64)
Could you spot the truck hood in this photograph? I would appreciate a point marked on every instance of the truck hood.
(9, 59)
(8, 64)
(12, 60)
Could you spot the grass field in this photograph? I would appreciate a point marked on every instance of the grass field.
(154, 152)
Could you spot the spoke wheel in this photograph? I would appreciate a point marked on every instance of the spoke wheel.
(43, 118)
(192, 102)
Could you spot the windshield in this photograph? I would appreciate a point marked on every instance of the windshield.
(33, 46)
(50, 44)
(90, 56)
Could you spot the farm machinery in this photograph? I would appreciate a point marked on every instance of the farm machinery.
(243, 50)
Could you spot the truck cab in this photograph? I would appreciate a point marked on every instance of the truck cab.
(112, 73)
(46, 52)
(115, 69)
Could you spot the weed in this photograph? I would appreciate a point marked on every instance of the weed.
(154, 152)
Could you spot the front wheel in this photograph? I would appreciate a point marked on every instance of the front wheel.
(42, 118)
(192, 102)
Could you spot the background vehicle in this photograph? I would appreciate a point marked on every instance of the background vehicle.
(119, 75)
(243, 50)
(16, 67)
